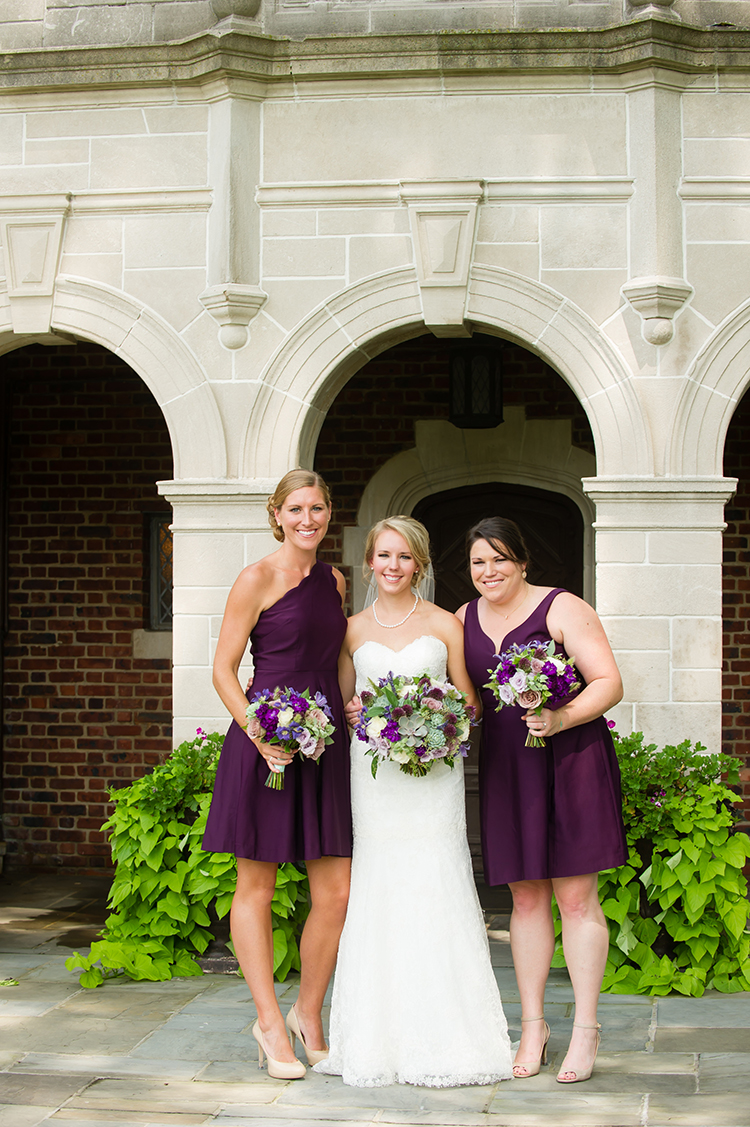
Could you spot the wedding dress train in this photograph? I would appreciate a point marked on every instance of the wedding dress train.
(415, 999)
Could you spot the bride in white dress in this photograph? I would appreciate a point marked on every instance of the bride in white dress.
(415, 999)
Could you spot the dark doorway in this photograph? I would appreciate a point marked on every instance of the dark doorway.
(552, 525)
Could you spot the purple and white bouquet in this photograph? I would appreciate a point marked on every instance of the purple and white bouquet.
(414, 721)
(292, 720)
(531, 676)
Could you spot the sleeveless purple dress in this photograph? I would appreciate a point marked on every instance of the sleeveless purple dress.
(295, 643)
(553, 811)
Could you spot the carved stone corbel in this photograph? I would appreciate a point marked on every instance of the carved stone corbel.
(233, 307)
(443, 215)
(653, 9)
(657, 300)
(235, 16)
(31, 230)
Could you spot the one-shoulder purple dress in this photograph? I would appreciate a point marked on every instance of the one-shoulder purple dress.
(295, 644)
(553, 811)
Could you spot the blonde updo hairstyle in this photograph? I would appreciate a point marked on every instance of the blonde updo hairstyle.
(417, 540)
(295, 479)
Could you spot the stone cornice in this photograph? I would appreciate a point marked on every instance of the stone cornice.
(261, 60)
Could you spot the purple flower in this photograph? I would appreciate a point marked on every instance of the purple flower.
(450, 731)
(548, 669)
(436, 693)
(611, 724)
(366, 697)
(391, 732)
(408, 710)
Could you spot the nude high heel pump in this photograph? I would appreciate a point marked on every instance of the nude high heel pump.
(531, 1068)
(278, 1069)
(313, 1055)
(569, 1076)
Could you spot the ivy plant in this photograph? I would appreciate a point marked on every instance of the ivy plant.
(166, 887)
(677, 911)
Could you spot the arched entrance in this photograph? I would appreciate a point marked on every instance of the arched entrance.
(736, 597)
(387, 446)
(87, 690)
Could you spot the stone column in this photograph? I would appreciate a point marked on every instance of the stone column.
(657, 288)
(233, 297)
(219, 528)
(658, 592)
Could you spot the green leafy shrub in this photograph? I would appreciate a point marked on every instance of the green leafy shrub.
(677, 910)
(166, 887)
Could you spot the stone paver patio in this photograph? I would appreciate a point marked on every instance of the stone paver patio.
(181, 1052)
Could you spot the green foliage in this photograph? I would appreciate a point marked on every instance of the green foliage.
(166, 886)
(677, 910)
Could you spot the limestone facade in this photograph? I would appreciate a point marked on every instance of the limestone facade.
(248, 202)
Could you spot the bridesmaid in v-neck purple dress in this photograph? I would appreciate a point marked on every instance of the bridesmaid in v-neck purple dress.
(551, 816)
(290, 607)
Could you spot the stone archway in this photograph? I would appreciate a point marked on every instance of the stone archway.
(304, 376)
(716, 382)
(95, 312)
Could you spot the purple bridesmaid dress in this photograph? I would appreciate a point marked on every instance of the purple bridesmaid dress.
(553, 811)
(296, 644)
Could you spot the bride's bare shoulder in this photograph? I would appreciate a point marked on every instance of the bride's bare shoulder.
(357, 629)
(443, 624)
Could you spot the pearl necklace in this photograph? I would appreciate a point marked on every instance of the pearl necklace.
(394, 625)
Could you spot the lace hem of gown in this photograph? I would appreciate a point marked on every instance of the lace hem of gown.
(455, 1080)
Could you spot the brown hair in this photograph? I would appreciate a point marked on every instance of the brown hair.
(417, 540)
(503, 535)
(295, 479)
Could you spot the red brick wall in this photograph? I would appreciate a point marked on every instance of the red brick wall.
(87, 442)
(736, 704)
(373, 416)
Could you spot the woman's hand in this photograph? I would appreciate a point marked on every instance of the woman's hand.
(276, 758)
(352, 711)
(544, 723)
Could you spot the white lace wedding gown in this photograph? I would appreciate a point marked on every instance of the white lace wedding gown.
(415, 999)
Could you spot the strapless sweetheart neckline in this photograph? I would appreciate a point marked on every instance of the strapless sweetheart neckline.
(383, 646)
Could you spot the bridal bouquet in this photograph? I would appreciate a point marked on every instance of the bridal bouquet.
(293, 721)
(414, 721)
(532, 675)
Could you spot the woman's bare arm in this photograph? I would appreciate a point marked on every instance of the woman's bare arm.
(576, 626)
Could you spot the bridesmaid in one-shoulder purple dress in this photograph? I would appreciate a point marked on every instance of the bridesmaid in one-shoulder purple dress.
(289, 606)
(551, 816)
(295, 643)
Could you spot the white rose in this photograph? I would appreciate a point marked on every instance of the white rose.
(285, 717)
(375, 727)
(399, 756)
